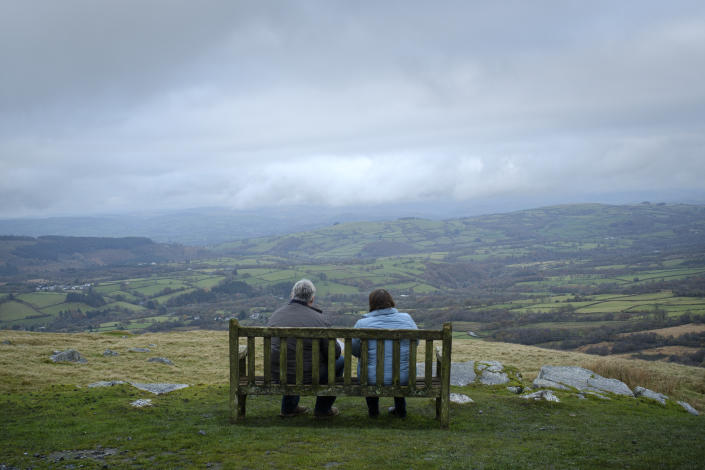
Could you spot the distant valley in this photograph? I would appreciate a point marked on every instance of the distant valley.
(607, 280)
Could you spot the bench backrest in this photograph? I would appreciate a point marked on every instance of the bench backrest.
(240, 352)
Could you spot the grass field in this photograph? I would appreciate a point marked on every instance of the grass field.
(51, 419)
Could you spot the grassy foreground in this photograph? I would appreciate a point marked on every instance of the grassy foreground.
(50, 419)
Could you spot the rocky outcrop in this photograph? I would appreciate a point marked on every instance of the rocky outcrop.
(110, 352)
(546, 395)
(646, 393)
(460, 399)
(162, 360)
(139, 349)
(469, 372)
(70, 355)
(688, 408)
(142, 402)
(584, 380)
(158, 388)
(492, 373)
(103, 383)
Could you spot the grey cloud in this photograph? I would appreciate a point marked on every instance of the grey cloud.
(113, 106)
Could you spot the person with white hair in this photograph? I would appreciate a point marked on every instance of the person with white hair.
(300, 312)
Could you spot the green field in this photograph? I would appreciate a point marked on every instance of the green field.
(12, 310)
(42, 299)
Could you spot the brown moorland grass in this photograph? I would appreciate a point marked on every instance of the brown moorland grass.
(674, 331)
(201, 357)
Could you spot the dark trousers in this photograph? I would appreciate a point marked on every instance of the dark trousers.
(323, 404)
(373, 406)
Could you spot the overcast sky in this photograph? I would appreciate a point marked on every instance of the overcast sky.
(113, 106)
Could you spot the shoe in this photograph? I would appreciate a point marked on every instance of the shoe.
(329, 414)
(393, 412)
(299, 410)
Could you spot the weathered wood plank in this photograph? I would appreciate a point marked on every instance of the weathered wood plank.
(315, 361)
(347, 352)
(267, 365)
(428, 363)
(379, 380)
(234, 340)
(355, 389)
(332, 333)
(282, 360)
(412, 363)
(445, 375)
(299, 361)
(364, 356)
(396, 362)
(331, 362)
(251, 358)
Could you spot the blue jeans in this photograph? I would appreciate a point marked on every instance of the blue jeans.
(323, 404)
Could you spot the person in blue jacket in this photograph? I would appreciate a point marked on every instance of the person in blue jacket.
(383, 315)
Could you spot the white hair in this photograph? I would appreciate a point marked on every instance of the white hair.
(303, 290)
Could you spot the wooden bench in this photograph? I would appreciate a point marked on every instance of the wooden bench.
(244, 381)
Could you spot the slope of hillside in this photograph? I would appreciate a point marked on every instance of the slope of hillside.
(52, 420)
(587, 227)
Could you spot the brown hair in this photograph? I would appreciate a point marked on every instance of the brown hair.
(379, 299)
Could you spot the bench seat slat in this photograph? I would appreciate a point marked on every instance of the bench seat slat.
(341, 389)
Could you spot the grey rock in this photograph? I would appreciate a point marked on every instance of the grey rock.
(201, 432)
(541, 383)
(138, 349)
(472, 333)
(110, 352)
(460, 399)
(646, 393)
(421, 369)
(596, 395)
(492, 373)
(580, 379)
(516, 390)
(688, 408)
(461, 373)
(142, 402)
(70, 355)
(163, 360)
(158, 388)
(542, 395)
(152, 345)
(7, 341)
(581, 396)
(103, 383)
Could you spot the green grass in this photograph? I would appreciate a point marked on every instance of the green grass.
(12, 310)
(189, 429)
(42, 299)
(66, 306)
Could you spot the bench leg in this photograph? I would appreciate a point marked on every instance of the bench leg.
(443, 411)
(241, 406)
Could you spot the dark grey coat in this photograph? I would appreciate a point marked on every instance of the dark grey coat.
(298, 314)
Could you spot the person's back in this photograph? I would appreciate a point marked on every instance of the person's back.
(300, 312)
(384, 315)
(389, 319)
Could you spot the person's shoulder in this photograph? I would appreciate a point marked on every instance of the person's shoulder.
(407, 318)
